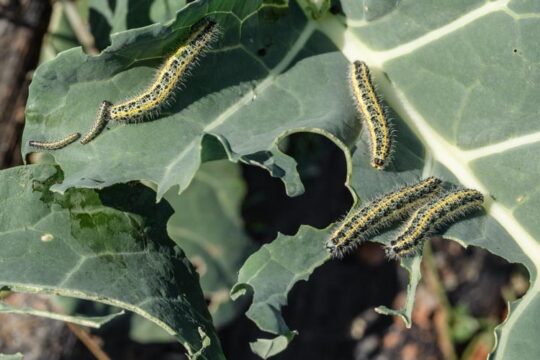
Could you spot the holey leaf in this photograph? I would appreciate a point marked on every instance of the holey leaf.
(231, 97)
(110, 247)
(460, 77)
(461, 81)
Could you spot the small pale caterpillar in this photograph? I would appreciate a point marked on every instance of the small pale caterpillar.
(147, 104)
(379, 214)
(432, 216)
(55, 145)
(372, 112)
(102, 118)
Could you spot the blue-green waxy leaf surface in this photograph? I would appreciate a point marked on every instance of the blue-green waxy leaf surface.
(220, 103)
(460, 86)
(461, 79)
(110, 247)
(269, 275)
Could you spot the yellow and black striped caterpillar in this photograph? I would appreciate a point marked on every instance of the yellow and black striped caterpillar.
(148, 104)
(168, 78)
(380, 214)
(102, 118)
(438, 212)
(372, 112)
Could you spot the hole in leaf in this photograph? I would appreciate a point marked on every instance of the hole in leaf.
(321, 165)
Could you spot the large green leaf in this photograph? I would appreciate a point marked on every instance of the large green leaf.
(459, 79)
(110, 247)
(461, 76)
(218, 103)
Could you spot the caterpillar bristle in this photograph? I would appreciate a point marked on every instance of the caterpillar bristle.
(431, 217)
(56, 144)
(169, 78)
(102, 118)
(373, 113)
(379, 214)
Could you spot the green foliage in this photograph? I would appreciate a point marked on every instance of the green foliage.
(206, 211)
(464, 326)
(460, 78)
(60, 36)
(207, 226)
(110, 247)
(210, 109)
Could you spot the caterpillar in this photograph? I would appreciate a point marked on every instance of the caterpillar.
(102, 117)
(55, 145)
(432, 216)
(171, 74)
(379, 214)
(372, 112)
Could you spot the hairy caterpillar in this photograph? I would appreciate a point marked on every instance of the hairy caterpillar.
(102, 117)
(379, 214)
(147, 104)
(429, 218)
(55, 145)
(372, 112)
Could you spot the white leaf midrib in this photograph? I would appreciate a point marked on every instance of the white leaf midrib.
(454, 159)
(269, 80)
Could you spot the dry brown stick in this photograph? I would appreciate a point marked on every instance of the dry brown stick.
(83, 335)
(88, 341)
